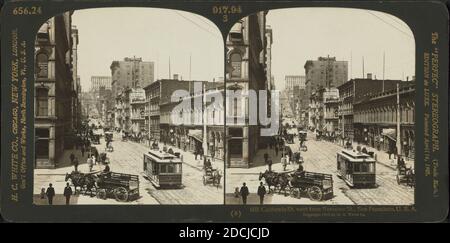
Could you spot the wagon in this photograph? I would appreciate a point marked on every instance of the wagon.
(212, 176)
(123, 187)
(405, 176)
(317, 186)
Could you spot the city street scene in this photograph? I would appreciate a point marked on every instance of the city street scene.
(121, 108)
(343, 81)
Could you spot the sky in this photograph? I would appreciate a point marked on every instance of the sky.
(301, 34)
(108, 34)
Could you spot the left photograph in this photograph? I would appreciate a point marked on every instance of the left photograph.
(128, 108)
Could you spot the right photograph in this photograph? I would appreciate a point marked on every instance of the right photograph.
(320, 108)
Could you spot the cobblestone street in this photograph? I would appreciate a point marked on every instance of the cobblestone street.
(321, 157)
(128, 158)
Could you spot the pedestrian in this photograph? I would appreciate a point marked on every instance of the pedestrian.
(82, 150)
(94, 160)
(195, 153)
(67, 193)
(90, 163)
(276, 150)
(261, 193)
(244, 193)
(269, 163)
(50, 193)
(266, 157)
(42, 193)
(75, 163)
(284, 162)
(213, 155)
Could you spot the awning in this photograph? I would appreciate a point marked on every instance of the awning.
(196, 134)
(390, 133)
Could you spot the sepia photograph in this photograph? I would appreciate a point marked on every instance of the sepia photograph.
(335, 125)
(123, 108)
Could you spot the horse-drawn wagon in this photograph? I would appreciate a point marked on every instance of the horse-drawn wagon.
(212, 176)
(405, 176)
(123, 187)
(317, 186)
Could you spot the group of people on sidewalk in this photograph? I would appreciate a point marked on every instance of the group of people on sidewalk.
(244, 192)
(49, 193)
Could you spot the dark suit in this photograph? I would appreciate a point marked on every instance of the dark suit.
(67, 194)
(261, 193)
(244, 193)
(50, 194)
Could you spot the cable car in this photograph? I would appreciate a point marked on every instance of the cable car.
(163, 169)
(357, 169)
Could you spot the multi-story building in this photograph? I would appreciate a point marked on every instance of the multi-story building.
(54, 90)
(100, 81)
(294, 85)
(246, 70)
(131, 73)
(325, 72)
(190, 132)
(137, 106)
(323, 110)
(376, 121)
(354, 91)
(292, 81)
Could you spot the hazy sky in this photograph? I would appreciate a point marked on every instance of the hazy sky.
(302, 34)
(107, 34)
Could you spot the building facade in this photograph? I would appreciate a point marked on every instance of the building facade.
(325, 72)
(131, 73)
(376, 119)
(354, 91)
(323, 111)
(55, 90)
(100, 81)
(246, 70)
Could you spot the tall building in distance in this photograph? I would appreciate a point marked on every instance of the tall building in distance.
(131, 73)
(100, 81)
(295, 87)
(294, 80)
(325, 72)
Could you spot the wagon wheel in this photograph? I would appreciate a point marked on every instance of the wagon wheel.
(121, 194)
(295, 192)
(315, 193)
(204, 180)
(101, 193)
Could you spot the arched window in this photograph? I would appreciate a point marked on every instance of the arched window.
(42, 65)
(236, 63)
(42, 102)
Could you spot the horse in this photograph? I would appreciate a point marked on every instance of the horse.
(275, 179)
(82, 180)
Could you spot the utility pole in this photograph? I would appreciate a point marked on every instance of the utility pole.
(399, 144)
(205, 144)
(383, 71)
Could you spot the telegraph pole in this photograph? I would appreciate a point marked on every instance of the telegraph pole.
(399, 144)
